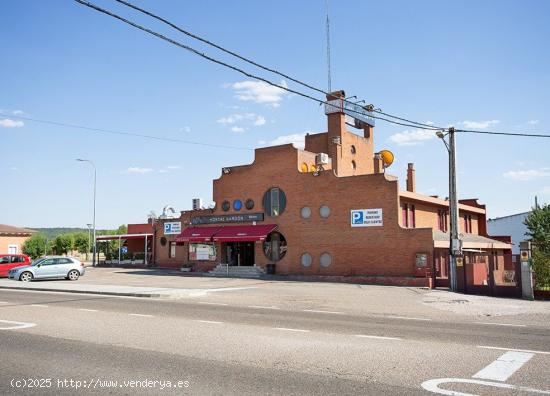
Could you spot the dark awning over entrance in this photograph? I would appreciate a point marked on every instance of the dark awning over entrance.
(244, 233)
(197, 234)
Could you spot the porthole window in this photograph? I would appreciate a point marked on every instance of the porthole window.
(353, 165)
(275, 246)
(306, 260)
(274, 202)
(305, 212)
(326, 260)
(237, 204)
(324, 211)
(249, 204)
(352, 149)
(226, 206)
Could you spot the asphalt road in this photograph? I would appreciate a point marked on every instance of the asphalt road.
(199, 347)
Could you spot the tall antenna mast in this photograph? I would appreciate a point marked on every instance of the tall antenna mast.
(328, 49)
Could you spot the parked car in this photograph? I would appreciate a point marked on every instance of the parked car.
(49, 268)
(9, 261)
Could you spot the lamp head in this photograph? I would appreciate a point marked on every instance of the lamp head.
(440, 134)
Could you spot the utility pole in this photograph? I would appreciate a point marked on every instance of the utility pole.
(455, 245)
(93, 222)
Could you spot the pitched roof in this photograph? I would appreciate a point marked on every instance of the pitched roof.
(441, 239)
(11, 230)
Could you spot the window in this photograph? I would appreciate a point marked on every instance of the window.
(305, 212)
(172, 250)
(249, 204)
(306, 260)
(408, 216)
(353, 165)
(325, 260)
(4, 260)
(324, 211)
(442, 220)
(63, 261)
(352, 149)
(237, 204)
(202, 251)
(226, 206)
(275, 246)
(274, 202)
(468, 224)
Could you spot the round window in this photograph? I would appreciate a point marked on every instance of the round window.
(237, 204)
(306, 260)
(275, 246)
(326, 260)
(249, 204)
(305, 212)
(324, 211)
(274, 202)
(226, 206)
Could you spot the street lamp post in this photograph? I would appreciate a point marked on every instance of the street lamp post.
(93, 221)
(89, 238)
(455, 247)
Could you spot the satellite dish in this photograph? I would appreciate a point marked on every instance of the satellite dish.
(387, 157)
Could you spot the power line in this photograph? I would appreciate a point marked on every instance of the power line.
(504, 133)
(123, 133)
(207, 57)
(406, 120)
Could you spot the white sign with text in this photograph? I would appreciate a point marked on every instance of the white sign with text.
(366, 218)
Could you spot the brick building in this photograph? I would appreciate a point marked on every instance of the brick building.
(345, 218)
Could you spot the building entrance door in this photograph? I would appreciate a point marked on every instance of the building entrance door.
(240, 253)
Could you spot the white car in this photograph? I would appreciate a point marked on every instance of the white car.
(49, 267)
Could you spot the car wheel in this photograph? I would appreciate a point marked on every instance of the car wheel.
(73, 275)
(26, 277)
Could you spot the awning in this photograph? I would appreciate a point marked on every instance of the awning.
(197, 234)
(244, 233)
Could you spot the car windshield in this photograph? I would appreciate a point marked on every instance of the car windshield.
(35, 262)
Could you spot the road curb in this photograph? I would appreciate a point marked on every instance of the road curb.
(106, 293)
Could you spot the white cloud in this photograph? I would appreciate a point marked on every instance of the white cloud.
(185, 129)
(533, 122)
(173, 167)
(238, 129)
(259, 92)
(412, 137)
(526, 175)
(297, 139)
(479, 124)
(163, 171)
(259, 121)
(138, 170)
(231, 119)
(545, 190)
(7, 123)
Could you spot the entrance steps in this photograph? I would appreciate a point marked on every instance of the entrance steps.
(237, 271)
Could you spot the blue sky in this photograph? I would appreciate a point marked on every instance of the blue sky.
(482, 65)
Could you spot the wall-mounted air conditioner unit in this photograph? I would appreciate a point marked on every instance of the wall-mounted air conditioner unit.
(321, 159)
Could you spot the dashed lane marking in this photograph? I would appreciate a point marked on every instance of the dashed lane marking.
(287, 329)
(141, 315)
(513, 349)
(212, 303)
(39, 305)
(208, 321)
(378, 337)
(87, 310)
(321, 311)
(407, 318)
(502, 324)
(11, 325)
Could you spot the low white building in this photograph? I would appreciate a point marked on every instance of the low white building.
(510, 225)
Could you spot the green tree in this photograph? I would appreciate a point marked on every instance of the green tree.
(63, 243)
(35, 246)
(538, 226)
(81, 242)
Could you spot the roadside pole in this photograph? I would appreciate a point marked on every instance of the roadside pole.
(455, 248)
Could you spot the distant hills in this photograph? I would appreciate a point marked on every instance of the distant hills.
(52, 232)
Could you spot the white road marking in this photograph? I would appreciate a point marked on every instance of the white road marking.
(39, 305)
(433, 386)
(11, 325)
(502, 324)
(3, 302)
(262, 307)
(378, 337)
(141, 315)
(406, 318)
(513, 349)
(87, 310)
(212, 303)
(503, 368)
(319, 311)
(208, 321)
(287, 329)
(204, 292)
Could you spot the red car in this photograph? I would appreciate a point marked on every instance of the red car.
(9, 261)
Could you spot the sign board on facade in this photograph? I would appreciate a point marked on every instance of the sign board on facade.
(172, 228)
(351, 109)
(366, 218)
(236, 218)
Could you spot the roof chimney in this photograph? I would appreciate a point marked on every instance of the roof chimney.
(411, 183)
